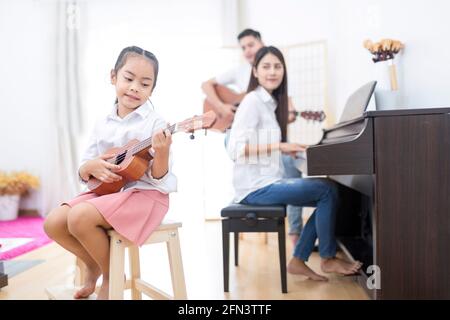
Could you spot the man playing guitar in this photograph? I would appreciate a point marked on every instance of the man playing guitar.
(250, 42)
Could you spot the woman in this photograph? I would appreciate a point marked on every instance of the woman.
(257, 140)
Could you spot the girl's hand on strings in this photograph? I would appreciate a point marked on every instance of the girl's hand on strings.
(161, 141)
(102, 169)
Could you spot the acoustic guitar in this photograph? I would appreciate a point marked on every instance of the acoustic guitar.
(134, 157)
(228, 96)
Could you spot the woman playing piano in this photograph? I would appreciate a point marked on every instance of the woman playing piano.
(257, 140)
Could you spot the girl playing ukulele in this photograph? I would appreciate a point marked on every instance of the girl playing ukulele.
(80, 225)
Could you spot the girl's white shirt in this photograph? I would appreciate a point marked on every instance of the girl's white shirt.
(113, 131)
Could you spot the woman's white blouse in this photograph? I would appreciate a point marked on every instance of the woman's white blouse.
(254, 123)
(113, 131)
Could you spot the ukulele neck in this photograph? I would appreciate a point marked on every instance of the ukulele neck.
(147, 143)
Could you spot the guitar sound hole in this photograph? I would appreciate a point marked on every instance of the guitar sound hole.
(120, 157)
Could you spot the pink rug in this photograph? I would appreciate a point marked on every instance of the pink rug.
(28, 232)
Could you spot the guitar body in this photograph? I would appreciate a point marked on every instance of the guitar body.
(132, 168)
(228, 96)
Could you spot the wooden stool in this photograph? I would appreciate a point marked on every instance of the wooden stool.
(240, 218)
(166, 232)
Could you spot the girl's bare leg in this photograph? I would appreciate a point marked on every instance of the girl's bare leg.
(89, 227)
(56, 228)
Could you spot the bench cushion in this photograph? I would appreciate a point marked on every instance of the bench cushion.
(241, 210)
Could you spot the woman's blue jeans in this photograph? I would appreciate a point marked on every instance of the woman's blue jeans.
(309, 192)
(294, 213)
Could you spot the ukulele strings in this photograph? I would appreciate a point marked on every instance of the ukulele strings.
(138, 147)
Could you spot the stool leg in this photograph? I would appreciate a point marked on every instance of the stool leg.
(80, 272)
(226, 252)
(116, 268)
(282, 253)
(135, 271)
(176, 267)
(236, 248)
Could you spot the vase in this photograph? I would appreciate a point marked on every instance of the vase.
(381, 74)
(9, 207)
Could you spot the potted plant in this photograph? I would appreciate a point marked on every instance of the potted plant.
(384, 52)
(12, 186)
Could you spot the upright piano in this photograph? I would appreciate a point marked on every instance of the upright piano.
(392, 169)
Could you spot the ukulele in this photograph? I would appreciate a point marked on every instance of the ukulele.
(134, 157)
(228, 96)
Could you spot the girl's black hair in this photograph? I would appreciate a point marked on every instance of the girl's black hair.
(279, 94)
(134, 50)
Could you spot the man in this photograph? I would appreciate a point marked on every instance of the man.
(250, 42)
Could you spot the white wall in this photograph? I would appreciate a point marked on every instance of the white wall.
(422, 25)
(27, 83)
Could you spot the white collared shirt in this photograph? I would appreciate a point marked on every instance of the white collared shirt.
(254, 123)
(239, 77)
(113, 131)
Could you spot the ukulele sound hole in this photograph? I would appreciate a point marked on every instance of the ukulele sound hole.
(120, 157)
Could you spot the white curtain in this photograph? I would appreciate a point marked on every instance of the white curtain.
(60, 182)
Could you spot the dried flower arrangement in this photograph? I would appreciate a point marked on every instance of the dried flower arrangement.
(17, 183)
(385, 50)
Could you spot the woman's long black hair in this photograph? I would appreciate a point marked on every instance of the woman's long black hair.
(280, 94)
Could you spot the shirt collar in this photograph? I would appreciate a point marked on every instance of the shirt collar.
(266, 97)
(142, 111)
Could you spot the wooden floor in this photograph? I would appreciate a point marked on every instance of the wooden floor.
(256, 277)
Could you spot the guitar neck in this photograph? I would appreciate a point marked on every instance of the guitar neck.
(316, 116)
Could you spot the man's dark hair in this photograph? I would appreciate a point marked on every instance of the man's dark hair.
(249, 32)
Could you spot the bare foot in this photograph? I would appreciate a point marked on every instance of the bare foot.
(294, 238)
(92, 274)
(103, 293)
(337, 265)
(297, 266)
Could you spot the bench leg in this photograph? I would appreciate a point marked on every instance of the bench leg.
(236, 248)
(282, 253)
(226, 252)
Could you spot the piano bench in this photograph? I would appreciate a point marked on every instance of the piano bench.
(249, 218)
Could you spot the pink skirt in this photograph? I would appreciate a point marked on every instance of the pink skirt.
(134, 213)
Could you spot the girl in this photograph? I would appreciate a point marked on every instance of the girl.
(80, 224)
(257, 139)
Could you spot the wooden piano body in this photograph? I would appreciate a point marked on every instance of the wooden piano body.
(393, 172)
